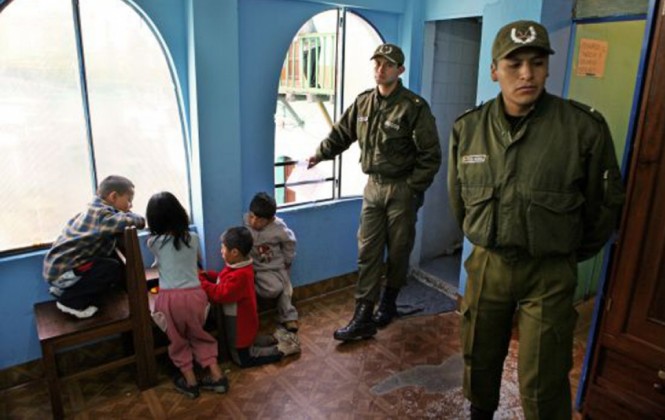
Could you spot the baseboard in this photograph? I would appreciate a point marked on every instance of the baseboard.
(312, 291)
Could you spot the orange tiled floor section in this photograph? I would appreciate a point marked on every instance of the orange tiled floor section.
(381, 378)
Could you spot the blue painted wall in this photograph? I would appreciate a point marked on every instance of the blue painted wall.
(227, 57)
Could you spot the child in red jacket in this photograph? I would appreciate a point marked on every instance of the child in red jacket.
(233, 288)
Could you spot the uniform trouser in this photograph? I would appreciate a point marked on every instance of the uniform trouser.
(276, 284)
(540, 292)
(387, 220)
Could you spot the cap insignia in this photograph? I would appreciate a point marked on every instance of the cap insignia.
(525, 37)
(385, 49)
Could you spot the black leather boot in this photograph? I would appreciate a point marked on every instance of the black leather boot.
(361, 326)
(480, 414)
(387, 310)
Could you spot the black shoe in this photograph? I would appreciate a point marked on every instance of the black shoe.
(361, 325)
(182, 387)
(480, 414)
(387, 310)
(220, 386)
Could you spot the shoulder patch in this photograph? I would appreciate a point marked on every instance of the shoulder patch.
(587, 109)
(469, 111)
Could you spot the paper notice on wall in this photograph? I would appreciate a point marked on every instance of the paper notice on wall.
(591, 58)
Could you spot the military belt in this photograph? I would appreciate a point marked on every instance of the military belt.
(382, 179)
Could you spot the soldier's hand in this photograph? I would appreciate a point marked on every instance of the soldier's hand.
(418, 199)
(312, 161)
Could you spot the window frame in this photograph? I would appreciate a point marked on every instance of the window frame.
(94, 179)
(338, 109)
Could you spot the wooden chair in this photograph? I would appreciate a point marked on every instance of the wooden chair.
(120, 312)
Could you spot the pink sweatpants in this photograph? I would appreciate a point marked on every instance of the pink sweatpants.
(185, 311)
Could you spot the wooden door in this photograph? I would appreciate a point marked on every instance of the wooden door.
(627, 378)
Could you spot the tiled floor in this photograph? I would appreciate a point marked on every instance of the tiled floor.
(409, 370)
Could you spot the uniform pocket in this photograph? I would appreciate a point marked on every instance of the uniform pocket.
(398, 151)
(554, 222)
(479, 224)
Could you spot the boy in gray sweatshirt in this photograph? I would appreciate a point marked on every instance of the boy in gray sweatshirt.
(273, 252)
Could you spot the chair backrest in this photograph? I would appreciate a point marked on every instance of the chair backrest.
(137, 294)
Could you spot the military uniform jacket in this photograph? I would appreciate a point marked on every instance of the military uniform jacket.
(551, 187)
(396, 134)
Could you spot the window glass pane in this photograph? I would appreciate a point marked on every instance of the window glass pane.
(308, 90)
(44, 163)
(137, 131)
(305, 109)
(360, 42)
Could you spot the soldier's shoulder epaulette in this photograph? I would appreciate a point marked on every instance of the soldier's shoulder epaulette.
(366, 92)
(587, 109)
(413, 97)
(469, 111)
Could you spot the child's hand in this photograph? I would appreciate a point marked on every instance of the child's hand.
(206, 277)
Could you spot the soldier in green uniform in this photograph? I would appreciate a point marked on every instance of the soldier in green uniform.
(535, 185)
(400, 152)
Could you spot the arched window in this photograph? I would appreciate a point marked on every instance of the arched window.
(326, 67)
(87, 91)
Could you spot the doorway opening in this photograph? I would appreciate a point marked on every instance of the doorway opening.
(450, 78)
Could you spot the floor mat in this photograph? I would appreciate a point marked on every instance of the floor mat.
(417, 298)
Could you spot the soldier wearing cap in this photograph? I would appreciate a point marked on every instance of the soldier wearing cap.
(535, 185)
(400, 152)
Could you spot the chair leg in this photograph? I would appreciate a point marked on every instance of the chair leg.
(51, 372)
(144, 348)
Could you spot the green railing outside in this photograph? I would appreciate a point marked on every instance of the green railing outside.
(309, 67)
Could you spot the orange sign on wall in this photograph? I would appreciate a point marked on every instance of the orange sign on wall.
(591, 58)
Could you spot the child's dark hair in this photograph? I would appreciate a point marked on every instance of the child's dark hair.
(166, 216)
(239, 238)
(263, 205)
(112, 183)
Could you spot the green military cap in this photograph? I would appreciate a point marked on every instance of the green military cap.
(390, 52)
(520, 34)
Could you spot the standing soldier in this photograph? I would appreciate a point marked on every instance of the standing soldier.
(400, 152)
(534, 183)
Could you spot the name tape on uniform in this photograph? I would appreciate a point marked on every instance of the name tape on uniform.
(469, 159)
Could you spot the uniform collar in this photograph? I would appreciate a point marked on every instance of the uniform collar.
(538, 108)
(393, 95)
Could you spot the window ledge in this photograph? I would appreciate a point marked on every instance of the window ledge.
(296, 208)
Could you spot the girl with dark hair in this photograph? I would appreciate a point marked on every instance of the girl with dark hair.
(181, 305)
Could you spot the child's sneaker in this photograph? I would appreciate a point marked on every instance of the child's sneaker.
(288, 343)
(79, 313)
(219, 386)
(288, 347)
(291, 326)
(281, 334)
(182, 387)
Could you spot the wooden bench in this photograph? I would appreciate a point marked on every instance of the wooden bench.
(119, 312)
